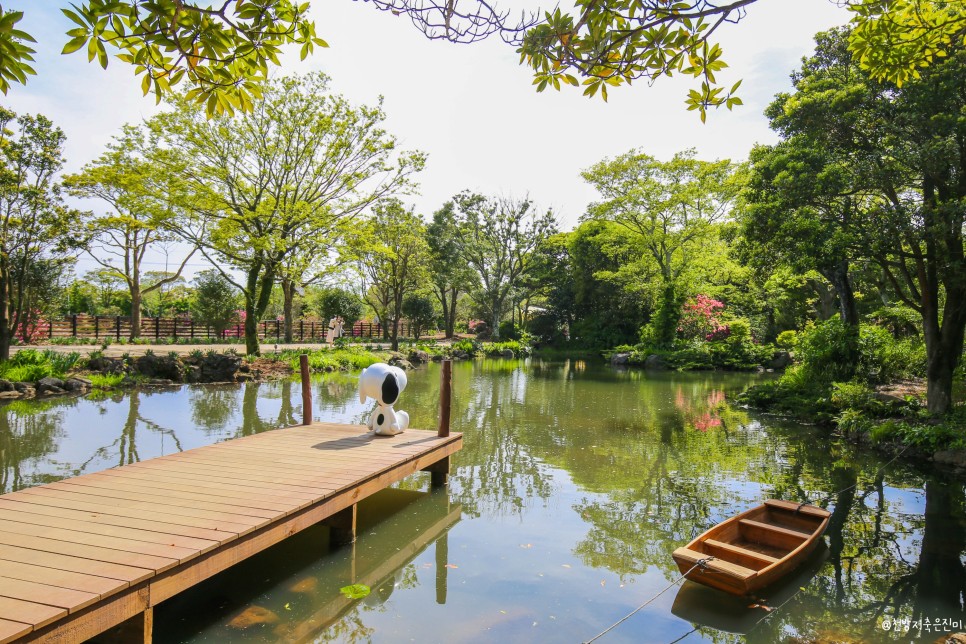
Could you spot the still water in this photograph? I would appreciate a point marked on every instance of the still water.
(575, 483)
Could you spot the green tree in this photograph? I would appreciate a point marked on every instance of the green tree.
(419, 310)
(450, 275)
(215, 301)
(801, 203)
(279, 180)
(674, 210)
(332, 301)
(497, 239)
(128, 180)
(391, 252)
(35, 225)
(903, 149)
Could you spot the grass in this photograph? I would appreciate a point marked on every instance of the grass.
(105, 381)
(30, 365)
(347, 359)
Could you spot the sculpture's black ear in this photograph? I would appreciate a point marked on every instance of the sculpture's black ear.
(390, 389)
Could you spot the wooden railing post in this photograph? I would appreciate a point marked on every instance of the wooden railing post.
(439, 471)
(306, 390)
(97, 327)
(73, 325)
(117, 327)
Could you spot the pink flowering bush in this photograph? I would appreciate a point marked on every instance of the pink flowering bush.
(699, 319)
(31, 329)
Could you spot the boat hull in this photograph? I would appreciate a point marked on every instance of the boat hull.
(754, 549)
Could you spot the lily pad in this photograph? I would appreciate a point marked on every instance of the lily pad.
(355, 591)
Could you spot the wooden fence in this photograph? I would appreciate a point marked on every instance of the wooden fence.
(115, 327)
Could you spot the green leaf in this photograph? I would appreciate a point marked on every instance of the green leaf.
(74, 45)
(355, 591)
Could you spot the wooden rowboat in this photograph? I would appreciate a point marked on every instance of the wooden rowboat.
(755, 548)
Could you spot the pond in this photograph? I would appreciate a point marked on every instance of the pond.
(575, 483)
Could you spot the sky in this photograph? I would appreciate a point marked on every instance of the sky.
(472, 108)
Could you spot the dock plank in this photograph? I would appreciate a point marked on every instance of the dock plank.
(96, 528)
(45, 594)
(85, 551)
(84, 554)
(10, 630)
(100, 586)
(50, 498)
(57, 561)
(30, 612)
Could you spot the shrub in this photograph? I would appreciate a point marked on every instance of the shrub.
(105, 380)
(509, 331)
(787, 340)
(466, 345)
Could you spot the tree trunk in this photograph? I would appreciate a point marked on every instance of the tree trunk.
(5, 335)
(942, 356)
(450, 323)
(288, 297)
(496, 320)
(135, 310)
(839, 277)
(251, 328)
(825, 306)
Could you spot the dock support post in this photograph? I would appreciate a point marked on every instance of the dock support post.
(442, 560)
(136, 630)
(342, 526)
(306, 390)
(439, 471)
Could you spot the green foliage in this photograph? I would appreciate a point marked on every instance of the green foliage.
(419, 309)
(215, 301)
(899, 319)
(497, 349)
(787, 340)
(509, 330)
(350, 358)
(466, 345)
(546, 329)
(104, 381)
(30, 365)
(224, 55)
(853, 422)
(498, 239)
(894, 40)
(332, 302)
(356, 591)
(255, 218)
(37, 230)
(661, 331)
(15, 54)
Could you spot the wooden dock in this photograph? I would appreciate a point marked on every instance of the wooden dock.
(83, 555)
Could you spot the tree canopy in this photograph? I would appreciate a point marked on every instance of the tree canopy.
(224, 50)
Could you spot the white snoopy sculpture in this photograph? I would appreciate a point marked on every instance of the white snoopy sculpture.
(384, 383)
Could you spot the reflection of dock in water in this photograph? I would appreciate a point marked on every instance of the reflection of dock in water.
(705, 606)
(291, 593)
(427, 521)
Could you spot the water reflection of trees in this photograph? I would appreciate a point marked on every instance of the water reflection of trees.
(28, 432)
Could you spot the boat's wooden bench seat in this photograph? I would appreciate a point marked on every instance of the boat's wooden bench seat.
(771, 535)
(716, 564)
(744, 556)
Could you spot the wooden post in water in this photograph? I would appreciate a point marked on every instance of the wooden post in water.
(440, 470)
(306, 390)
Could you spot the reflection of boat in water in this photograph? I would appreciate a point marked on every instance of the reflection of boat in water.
(705, 606)
(755, 548)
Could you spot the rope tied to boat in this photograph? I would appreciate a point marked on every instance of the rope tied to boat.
(700, 563)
